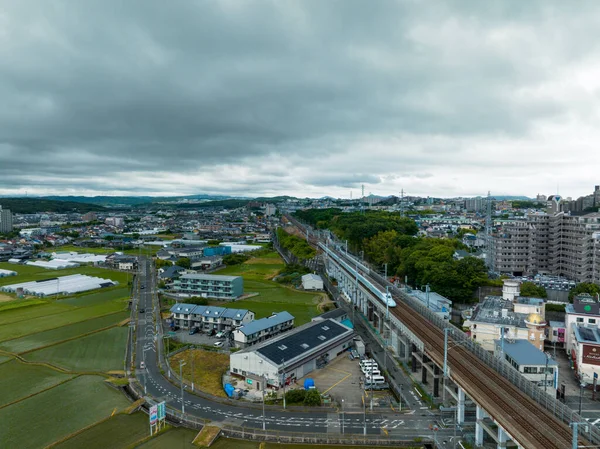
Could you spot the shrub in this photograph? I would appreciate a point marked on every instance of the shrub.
(312, 398)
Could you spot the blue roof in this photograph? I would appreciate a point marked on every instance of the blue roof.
(183, 308)
(265, 323)
(524, 353)
(348, 323)
(236, 314)
(585, 334)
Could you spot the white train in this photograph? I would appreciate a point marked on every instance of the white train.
(385, 297)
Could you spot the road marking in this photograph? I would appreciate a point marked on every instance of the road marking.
(337, 383)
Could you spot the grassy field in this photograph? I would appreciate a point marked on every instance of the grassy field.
(272, 296)
(40, 339)
(119, 432)
(179, 438)
(208, 369)
(58, 412)
(102, 351)
(38, 378)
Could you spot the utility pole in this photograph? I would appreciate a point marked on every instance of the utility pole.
(385, 275)
(283, 381)
(546, 376)
(264, 385)
(192, 356)
(181, 364)
(342, 416)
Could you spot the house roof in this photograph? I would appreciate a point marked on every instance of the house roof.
(311, 277)
(335, 313)
(265, 323)
(170, 271)
(524, 353)
(209, 311)
(302, 341)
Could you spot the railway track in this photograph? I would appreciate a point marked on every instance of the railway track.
(530, 424)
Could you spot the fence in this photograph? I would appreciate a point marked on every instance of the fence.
(313, 438)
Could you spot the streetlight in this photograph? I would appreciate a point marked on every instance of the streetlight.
(342, 416)
(264, 385)
(283, 381)
(581, 386)
(181, 364)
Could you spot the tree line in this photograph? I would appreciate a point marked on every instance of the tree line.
(297, 246)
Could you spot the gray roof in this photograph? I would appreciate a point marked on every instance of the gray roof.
(490, 311)
(524, 353)
(311, 277)
(335, 313)
(265, 323)
(170, 272)
(209, 277)
(211, 311)
(302, 341)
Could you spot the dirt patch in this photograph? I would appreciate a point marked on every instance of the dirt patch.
(5, 298)
(264, 261)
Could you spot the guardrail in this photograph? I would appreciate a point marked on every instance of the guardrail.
(278, 436)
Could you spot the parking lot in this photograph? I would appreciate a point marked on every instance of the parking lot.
(199, 338)
(341, 379)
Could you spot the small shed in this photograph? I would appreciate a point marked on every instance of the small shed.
(312, 282)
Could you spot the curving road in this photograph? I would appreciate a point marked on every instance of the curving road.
(147, 349)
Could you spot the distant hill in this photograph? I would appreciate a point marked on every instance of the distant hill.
(28, 205)
(112, 201)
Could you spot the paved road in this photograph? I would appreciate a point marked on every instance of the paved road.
(159, 388)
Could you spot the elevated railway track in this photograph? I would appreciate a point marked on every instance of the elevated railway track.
(529, 423)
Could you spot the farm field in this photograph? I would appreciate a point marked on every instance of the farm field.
(102, 351)
(27, 327)
(40, 339)
(272, 297)
(38, 378)
(89, 400)
(180, 438)
(119, 432)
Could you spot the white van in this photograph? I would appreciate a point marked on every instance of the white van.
(371, 372)
(369, 368)
(375, 380)
(368, 362)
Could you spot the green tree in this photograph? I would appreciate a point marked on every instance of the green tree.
(584, 287)
(162, 263)
(184, 262)
(312, 398)
(529, 289)
(235, 259)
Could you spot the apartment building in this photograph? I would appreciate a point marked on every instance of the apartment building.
(209, 317)
(263, 329)
(209, 286)
(6, 221)
(555, 244)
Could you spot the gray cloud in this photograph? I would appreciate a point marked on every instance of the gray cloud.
(310, 97)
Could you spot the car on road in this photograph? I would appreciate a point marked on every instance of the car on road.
(142, 365)
(142, 287)
(193, 330)
(218, 344)
(142, 310)
(220, 334)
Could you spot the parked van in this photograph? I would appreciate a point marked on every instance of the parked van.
(376, 380)
(367, 362)
(374, 371)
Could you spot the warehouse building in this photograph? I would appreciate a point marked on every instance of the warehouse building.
(209, 286)
(292, 355)
(263, 329)
(312, 282)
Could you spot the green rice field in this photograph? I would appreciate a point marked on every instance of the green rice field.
(40, 339)
(179, 438)
(119, 432)
(38, 378)
(102, 351)
(53, 414)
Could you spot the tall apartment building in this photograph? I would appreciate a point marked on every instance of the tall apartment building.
(6, 221)
(554, 244)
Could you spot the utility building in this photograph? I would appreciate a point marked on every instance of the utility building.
(292, 355)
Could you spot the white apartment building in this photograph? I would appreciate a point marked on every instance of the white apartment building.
(210, 317)
(584, 312)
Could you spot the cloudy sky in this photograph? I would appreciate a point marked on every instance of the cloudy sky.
(308, 98)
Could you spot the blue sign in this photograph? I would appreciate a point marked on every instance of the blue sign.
(595, 375)
(162, 410)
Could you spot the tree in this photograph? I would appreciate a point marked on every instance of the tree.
(162, 263)
(584, 287)
(184, 262)
(312, 398)
(529, 289)
(235, 259)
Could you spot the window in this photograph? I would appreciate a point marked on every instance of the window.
(235, 370)
(322, 337)
(282, 347)
(530, 370)
(592, 320)
(580, 320)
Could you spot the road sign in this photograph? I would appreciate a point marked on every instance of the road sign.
(153, 414)
(162, 410)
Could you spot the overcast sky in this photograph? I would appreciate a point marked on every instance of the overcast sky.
(308, 98)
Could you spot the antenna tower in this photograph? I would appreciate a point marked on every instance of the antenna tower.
(402, 203)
